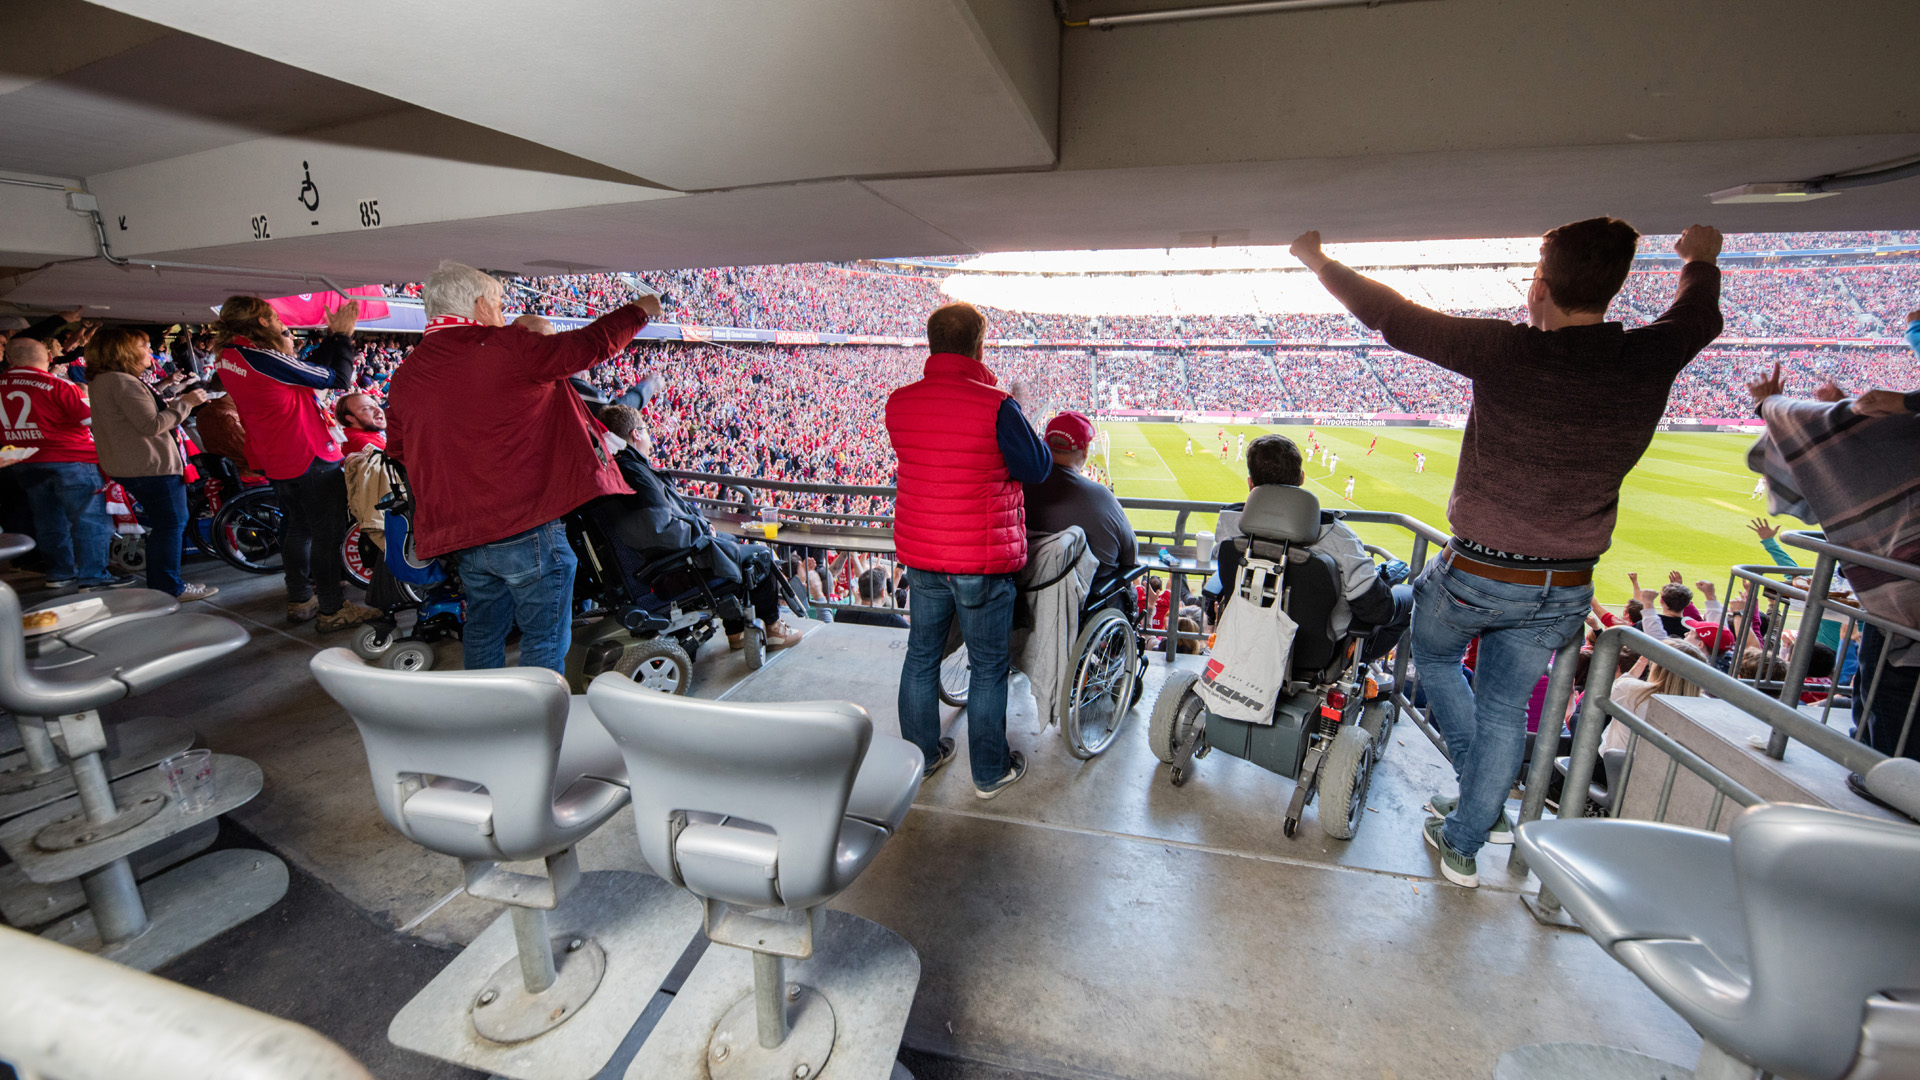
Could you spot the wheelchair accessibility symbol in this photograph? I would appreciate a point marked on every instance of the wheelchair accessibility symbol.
(309, 191)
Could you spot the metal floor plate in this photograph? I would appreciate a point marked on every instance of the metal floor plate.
(133, 745)
(642, 922)
(235, 781)
(867, 972)
(188, 906)
(28, 903)
(1580, 1061)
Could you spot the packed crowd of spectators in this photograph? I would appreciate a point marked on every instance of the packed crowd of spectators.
(1142, 380)
(1809, 241)
(1332, 381)
(1237, 381)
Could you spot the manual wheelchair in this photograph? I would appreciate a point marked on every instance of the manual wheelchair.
(1106, 664)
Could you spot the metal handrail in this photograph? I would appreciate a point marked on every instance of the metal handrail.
(51, 1025)
(1808, 540)
(1820, 579)
(1598, 706)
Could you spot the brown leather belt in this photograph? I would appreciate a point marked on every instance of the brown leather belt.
(1513, 575)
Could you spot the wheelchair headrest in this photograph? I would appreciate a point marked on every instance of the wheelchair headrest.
(1281, 512)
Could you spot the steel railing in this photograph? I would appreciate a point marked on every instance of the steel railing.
(1788, 679)
(69, 1015)
(873, 534)
(1598, 707)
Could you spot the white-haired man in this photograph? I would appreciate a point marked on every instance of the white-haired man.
(498, 448)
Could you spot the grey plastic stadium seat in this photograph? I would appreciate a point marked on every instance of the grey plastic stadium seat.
(766, 812)
(503, 766)
(117, 662)
(1279, 512)
(774, 785)
(504, 731)
(1773, 942)
(14, 545)
(122, 606)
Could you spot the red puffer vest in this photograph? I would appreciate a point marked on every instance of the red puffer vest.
(958, 511)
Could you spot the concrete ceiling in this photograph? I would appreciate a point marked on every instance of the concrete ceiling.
(639, 134)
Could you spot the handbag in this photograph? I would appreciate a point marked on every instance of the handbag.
(1251, 648)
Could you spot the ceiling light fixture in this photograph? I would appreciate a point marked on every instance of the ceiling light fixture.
(1820, 187)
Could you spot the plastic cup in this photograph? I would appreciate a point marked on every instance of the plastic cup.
(769, 522)
(1203, 548)
(190, 777)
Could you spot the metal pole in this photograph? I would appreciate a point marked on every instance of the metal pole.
(770, 998)
(118, 913)
(1586, 741)
(1545, 744)
(536, 948)
(96, 795)
(1803, 648)
(41, 756)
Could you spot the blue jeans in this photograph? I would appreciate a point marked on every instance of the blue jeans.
(526, 578)
(984, 605)
(1882, 727)
(1520, 627)
(70, 523)
(164, 498)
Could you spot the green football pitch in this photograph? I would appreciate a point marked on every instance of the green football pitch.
(1686, 507)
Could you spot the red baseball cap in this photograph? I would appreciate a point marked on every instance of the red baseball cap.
(1714, 638)
(1070, 431)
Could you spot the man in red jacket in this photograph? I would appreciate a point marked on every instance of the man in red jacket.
(960, 528)
(498, 447)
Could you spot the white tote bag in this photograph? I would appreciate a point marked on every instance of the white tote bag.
(1250, 648)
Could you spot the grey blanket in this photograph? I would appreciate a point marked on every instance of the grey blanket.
(1858, 478)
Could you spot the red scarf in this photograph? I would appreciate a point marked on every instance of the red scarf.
(441, 322)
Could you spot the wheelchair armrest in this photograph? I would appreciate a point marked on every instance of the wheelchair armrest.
(679, 560)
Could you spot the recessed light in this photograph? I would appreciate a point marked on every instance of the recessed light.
(1795, 192)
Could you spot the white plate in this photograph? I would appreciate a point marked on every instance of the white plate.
(71, 615)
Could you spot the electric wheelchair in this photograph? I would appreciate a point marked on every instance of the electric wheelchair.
(1330, 723)
(653, 615)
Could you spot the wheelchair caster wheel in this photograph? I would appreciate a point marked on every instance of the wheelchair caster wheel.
(754, 642)
(411, 656)
(373, 642)
(1288, 826)
(1178, 775)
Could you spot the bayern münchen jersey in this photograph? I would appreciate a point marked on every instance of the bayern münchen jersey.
(43, 411)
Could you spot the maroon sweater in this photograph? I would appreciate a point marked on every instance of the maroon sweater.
(1559, 417)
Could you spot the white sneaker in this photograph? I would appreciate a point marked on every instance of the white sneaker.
(196, 592)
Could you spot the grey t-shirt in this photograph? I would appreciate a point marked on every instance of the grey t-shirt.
(1067, 498)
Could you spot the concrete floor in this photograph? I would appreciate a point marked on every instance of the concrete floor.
(1093, 921)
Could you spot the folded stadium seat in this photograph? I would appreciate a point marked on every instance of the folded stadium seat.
(36, 776)
(92, 837)
(767, 812)
(1791, 945)
(504, 766)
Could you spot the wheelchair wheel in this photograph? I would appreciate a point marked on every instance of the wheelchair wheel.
(955, 676)
(657, 664)
(246, 532)
(1098, 690)
(128, 554)
(1344, 780)
(411, 656)
(1176, 713)
(371, 642)
(358, 556)
(754, 642)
